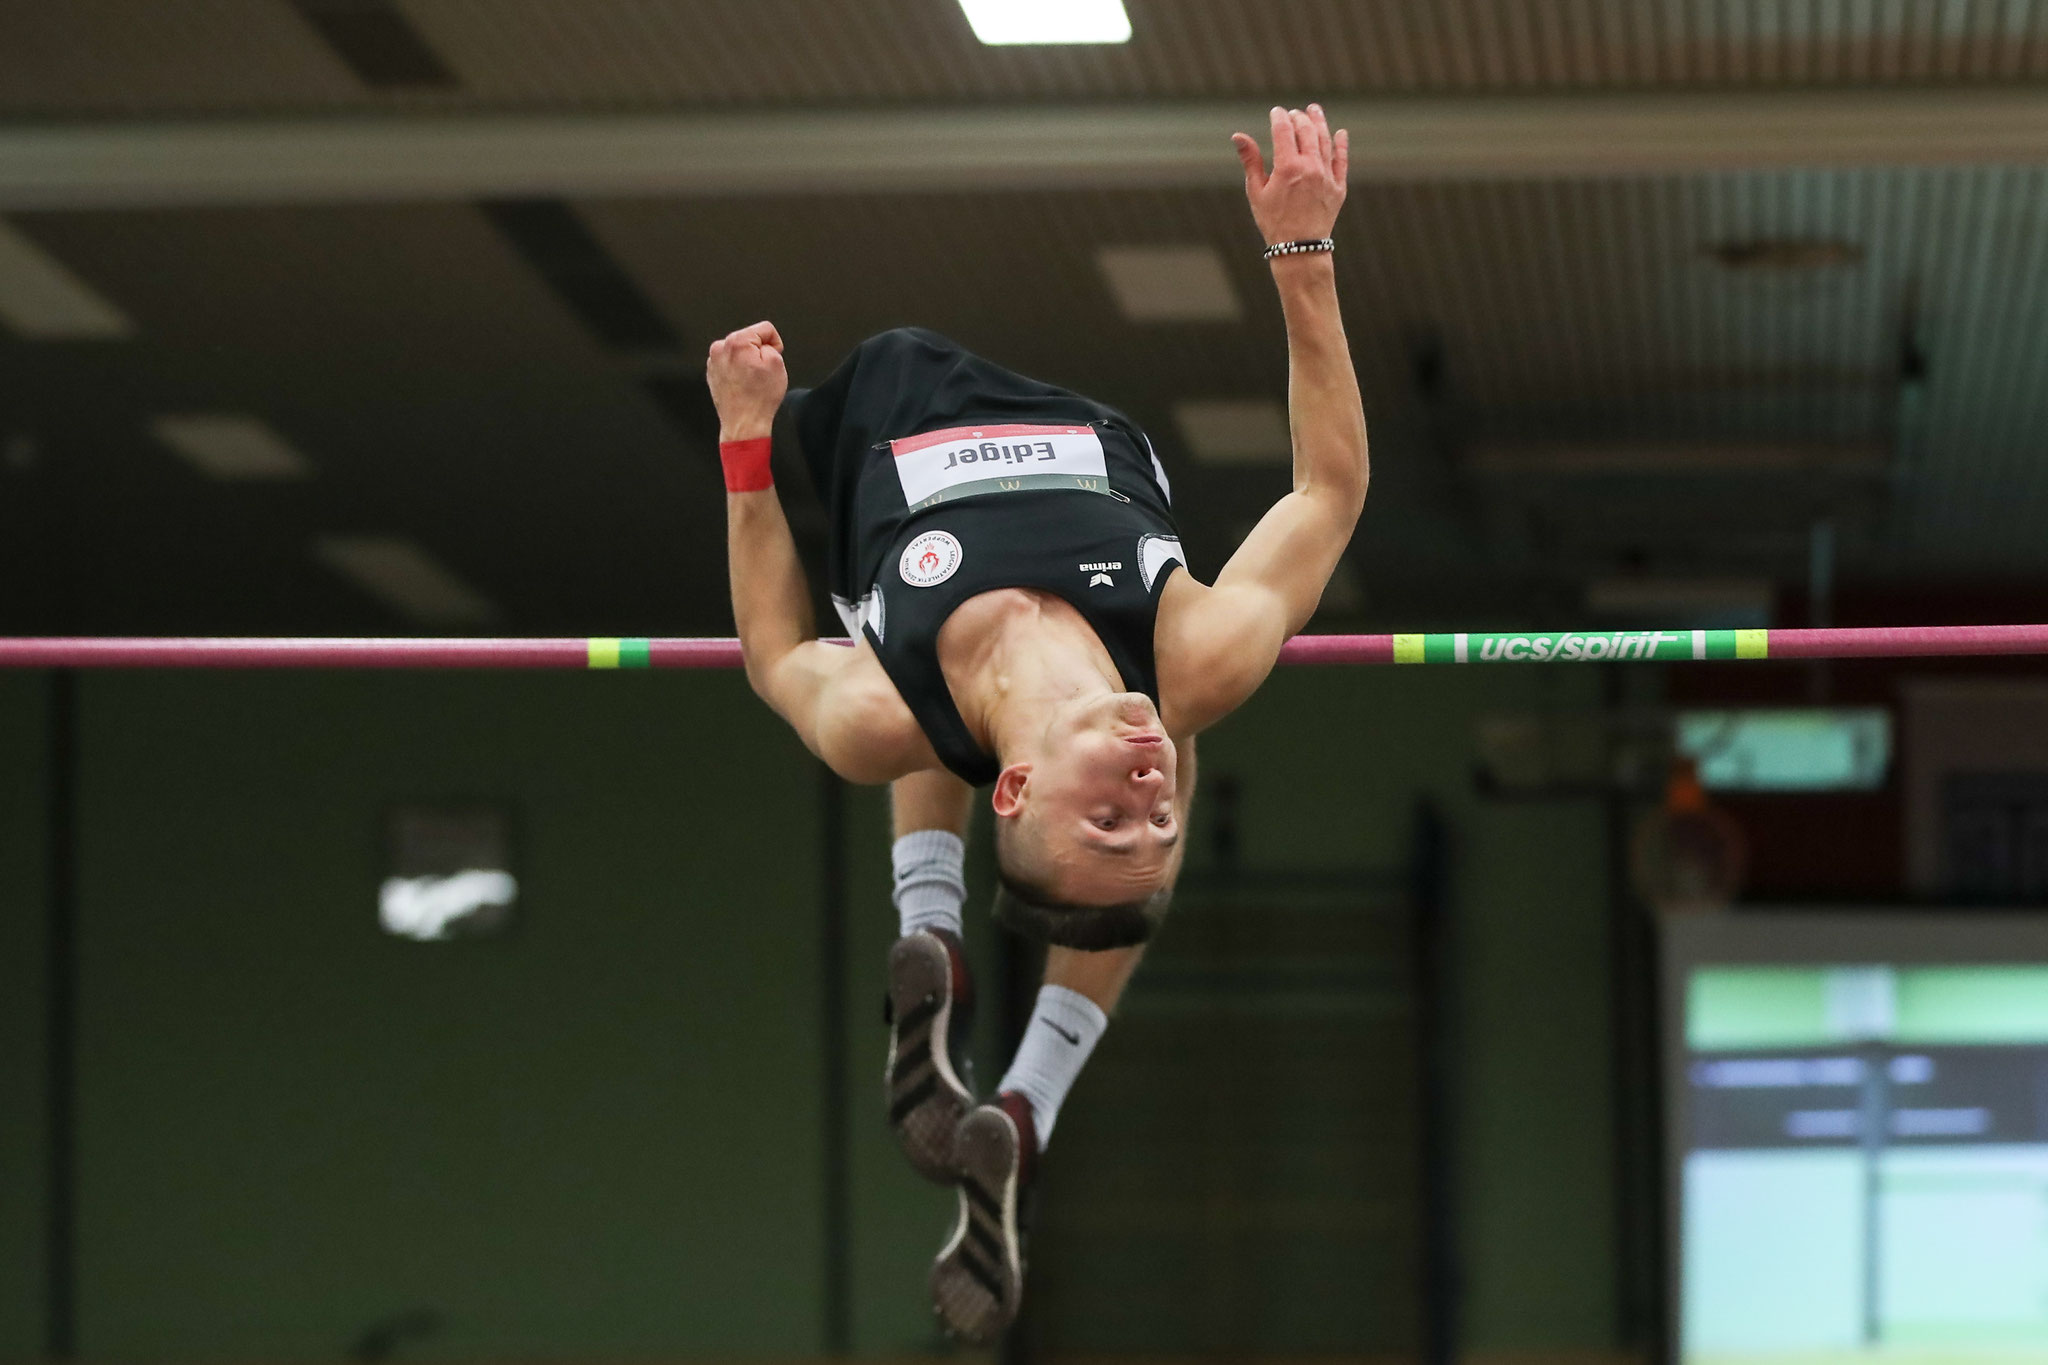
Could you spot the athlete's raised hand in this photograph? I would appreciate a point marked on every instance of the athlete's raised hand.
(747, 381)
(1299, 197)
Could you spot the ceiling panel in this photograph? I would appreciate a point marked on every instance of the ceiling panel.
(134, 59)
(445, 392)
(143, 57)
(1579, 310)
(438, 388)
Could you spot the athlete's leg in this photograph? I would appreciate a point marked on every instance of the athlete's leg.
(928, 870)
(1081, 991)
(978, 1279)
(1099, 976)
(1073, 1008)
(931, 997)
(933, 799)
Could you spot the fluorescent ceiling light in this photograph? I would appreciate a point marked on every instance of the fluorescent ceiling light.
(406, 578)
(41, 300)
(1683, 459)
(231, 445)
(1169, 283)
(1235, 430)
(1002, 22)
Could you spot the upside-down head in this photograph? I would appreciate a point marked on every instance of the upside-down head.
(1086, 823)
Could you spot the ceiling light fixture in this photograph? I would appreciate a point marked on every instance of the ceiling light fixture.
(41, 300)
(1001, 23)
(406, 578)
(231, 446)
(1169, 283)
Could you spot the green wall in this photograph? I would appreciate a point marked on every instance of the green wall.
(594, 1138)
(600, 1136)
(24, 862)
(1331, 763)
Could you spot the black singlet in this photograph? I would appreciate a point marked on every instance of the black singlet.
(948, 476)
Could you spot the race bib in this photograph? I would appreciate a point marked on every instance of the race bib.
(962, 461)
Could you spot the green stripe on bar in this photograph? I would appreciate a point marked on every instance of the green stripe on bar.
(1591, 646)
(610, 652)
(1562, 646)
(1738, 644)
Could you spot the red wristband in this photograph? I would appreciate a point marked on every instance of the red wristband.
(746, 464)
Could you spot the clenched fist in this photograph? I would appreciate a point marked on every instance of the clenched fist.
(747, 381)
(1300, 196)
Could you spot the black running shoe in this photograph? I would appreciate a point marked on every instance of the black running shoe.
(930, 1008)
(978, 1279)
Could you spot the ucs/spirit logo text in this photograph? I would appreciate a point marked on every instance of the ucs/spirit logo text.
(1621, 644)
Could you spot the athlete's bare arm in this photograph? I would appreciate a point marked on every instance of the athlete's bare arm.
(1216, 644)
(838, 699)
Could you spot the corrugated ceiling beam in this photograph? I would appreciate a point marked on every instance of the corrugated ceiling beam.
(102, 165)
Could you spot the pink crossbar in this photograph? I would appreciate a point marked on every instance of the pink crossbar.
(577, 652)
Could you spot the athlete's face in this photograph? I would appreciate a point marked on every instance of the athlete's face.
(1094, 807)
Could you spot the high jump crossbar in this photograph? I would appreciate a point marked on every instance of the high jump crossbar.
(612, 652)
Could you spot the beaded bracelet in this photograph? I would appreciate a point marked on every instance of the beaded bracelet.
(1306, 244)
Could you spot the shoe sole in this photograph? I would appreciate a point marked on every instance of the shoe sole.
(977, 1282)
(925, 1095)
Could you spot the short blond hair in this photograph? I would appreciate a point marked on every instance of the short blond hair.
(1025, 906)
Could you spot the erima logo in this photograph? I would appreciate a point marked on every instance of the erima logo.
(1107, 564)
(1102, 580)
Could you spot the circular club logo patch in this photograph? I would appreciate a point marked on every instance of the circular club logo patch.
(931, 559)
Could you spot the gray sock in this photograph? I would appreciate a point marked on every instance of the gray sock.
(931, 880)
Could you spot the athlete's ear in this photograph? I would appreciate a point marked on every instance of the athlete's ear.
(1008, 796)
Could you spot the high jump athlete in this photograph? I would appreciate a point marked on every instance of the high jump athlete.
(1004, 554)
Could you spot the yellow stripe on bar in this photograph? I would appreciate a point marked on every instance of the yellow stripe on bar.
(604, 652)
(1752, 644)
(1408, 649)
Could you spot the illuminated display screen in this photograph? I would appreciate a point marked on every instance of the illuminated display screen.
(1862, 1162)
(1795, 750)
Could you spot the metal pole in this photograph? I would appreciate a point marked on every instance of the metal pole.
(1435, 1004)
(837, 1304)
(61, 1026)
